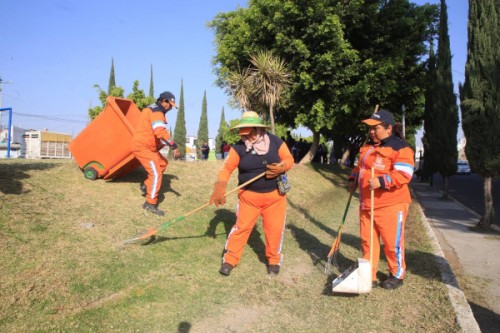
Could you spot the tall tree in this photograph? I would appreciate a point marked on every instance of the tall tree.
(180, 124)
(203, 126)
(223, 129)
(270, 79)
(151, 84)
(480, 98)
(111, 83)
(344, 57)
(429, 166)
(443, 138)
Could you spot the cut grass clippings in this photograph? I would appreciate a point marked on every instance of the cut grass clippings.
(64, 267)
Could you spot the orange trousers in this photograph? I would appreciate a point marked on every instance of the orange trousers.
(155, 164)
(388, 224)
(272, 207)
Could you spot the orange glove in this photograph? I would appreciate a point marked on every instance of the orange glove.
(275, 169)
(218, 197)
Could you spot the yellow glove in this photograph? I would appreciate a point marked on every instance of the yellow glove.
(275, 169)
(218, 197)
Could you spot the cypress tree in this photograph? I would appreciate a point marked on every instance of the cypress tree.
(111, 83)
(203, 127)
(151, 84)
(480, 98)
(444, 145)
(428, 141)
(180, 125)
(223, 128)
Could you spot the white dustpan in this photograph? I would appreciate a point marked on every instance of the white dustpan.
(357, 279)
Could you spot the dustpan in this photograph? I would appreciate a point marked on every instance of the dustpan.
(357, 279)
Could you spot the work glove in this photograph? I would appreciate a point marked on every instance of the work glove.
(275, 169)
(218, 197)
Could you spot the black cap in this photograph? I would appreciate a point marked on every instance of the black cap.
(382, 116)
(168, 96)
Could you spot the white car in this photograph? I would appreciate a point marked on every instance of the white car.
(463, 168)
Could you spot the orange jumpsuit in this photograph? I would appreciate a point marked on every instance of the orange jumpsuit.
(258, 198)
(150, 136)
(393, 161)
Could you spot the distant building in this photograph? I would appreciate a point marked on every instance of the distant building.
(16, 141)
(42, 144)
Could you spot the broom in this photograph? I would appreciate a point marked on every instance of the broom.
(154, 231)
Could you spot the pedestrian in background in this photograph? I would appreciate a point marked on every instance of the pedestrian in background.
(258, 151)
(205, 149)
(150, 136)
(393, 163)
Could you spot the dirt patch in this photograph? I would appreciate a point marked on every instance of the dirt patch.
(234, 320)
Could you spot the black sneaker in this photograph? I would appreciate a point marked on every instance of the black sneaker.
(226, 269)
(392, 283)
(273, 269)
(153, 208)
(144, 189)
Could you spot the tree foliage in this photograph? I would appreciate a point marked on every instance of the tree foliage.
(151, 84)
(139, 97)
(180, 125)
(344, 57)
(480, 96)
(442, 117)
(223, 129)
(112, 81)
(203, 126)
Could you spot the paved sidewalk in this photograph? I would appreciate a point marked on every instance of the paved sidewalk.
(473, 256)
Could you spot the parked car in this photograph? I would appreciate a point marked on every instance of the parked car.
(463, 168)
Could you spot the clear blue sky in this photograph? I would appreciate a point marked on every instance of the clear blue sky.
(54, 51)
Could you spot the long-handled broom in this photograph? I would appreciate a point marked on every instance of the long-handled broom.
(151, 232)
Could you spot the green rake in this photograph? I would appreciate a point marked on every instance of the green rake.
(152, 232)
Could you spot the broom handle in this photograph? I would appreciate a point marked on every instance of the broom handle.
(372, 201)
(227, 193)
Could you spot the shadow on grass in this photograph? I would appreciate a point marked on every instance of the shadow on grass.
(13, 174)
(335, 174)
(184, 327)
(139, 175)
(228, 219)
(419, 263)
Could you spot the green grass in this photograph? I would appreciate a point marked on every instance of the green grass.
(64, 267)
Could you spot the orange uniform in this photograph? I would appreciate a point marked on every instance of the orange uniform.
(393, 161)
(150, 136)
(258, 198)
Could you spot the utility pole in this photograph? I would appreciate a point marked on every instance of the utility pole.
(1, 94)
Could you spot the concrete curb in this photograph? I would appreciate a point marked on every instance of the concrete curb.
(463, 311)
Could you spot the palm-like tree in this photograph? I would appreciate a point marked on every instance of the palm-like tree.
(269, 79)
(239, 85)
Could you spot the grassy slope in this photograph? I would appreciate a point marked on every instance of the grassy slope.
(64, 268)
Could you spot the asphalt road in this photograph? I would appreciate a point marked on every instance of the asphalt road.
(468, 189)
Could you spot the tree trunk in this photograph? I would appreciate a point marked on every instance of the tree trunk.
(271, 114)
(489, 211)
(446, 187)
(312, 151)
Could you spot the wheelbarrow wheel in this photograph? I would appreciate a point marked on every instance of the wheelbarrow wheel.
(90, 173)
